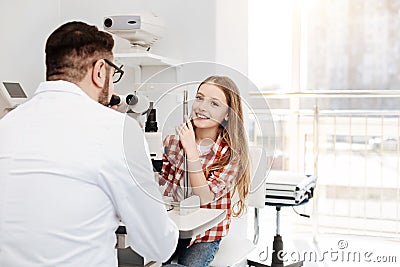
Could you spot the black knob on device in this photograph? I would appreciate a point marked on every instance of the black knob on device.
(115, 100)
(151, 122)
(132, 100)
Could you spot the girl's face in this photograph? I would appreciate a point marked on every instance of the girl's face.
(210, 107)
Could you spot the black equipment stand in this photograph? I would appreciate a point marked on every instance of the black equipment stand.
(277, 246)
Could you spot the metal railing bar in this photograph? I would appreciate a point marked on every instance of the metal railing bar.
(359, 123)
(381, 168)
(326, 93)
(310, 112)
(398, 178)
(365, 173)
(350, 158)
(358, 217)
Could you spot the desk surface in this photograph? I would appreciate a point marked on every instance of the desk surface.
(197, 221)
(191, 224)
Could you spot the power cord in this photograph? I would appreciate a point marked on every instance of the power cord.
(301, 214)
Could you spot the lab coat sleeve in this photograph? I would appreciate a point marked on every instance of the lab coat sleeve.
(137, 199)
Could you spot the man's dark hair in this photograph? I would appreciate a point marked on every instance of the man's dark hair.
(73, 48)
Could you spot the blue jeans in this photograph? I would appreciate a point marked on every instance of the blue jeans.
(197, 255)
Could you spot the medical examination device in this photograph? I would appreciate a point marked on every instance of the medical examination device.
(131, 103)
(135, 106)
(12, 94)
(186, 183)
(142, 31)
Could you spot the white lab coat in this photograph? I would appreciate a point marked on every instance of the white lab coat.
(70, 170)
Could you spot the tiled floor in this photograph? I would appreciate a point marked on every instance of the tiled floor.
(322, 249)
(333, 250)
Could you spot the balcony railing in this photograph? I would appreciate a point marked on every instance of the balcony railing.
(354, 152)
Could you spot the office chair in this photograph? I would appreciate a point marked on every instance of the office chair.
(234, 250)
(277, 246)
(306, 187)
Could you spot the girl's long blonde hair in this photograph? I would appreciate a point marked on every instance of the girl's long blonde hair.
(233, 133)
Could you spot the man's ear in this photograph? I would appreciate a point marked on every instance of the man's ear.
(99, 73)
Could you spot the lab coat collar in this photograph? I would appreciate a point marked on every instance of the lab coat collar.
(60, 86)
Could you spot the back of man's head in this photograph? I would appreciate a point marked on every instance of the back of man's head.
(73, 48)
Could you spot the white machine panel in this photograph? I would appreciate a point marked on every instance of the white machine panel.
(12, 94)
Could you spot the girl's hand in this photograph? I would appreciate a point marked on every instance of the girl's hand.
(187, 138)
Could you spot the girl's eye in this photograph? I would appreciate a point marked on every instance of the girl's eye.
(215, 103)
(199, 98)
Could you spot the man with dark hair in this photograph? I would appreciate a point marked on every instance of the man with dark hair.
(73, 49)
(71, 168)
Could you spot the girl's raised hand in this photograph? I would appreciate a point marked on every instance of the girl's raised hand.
(187, 138)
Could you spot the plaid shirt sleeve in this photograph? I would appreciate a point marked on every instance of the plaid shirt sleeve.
(167, 167)
(171, 171)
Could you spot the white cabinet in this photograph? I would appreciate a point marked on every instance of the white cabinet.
(142, 64)
(143, 59)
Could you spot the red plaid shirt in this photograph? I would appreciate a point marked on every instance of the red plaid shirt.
(220, 181)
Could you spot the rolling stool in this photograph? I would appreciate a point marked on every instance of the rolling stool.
(277, 245)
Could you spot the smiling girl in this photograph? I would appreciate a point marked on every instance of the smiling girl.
(218, 163)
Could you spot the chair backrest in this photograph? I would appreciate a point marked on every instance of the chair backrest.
(258, 173)
(256, 197)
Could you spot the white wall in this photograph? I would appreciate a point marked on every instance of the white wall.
(232, 51)
(25, 26)
(232, 34)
